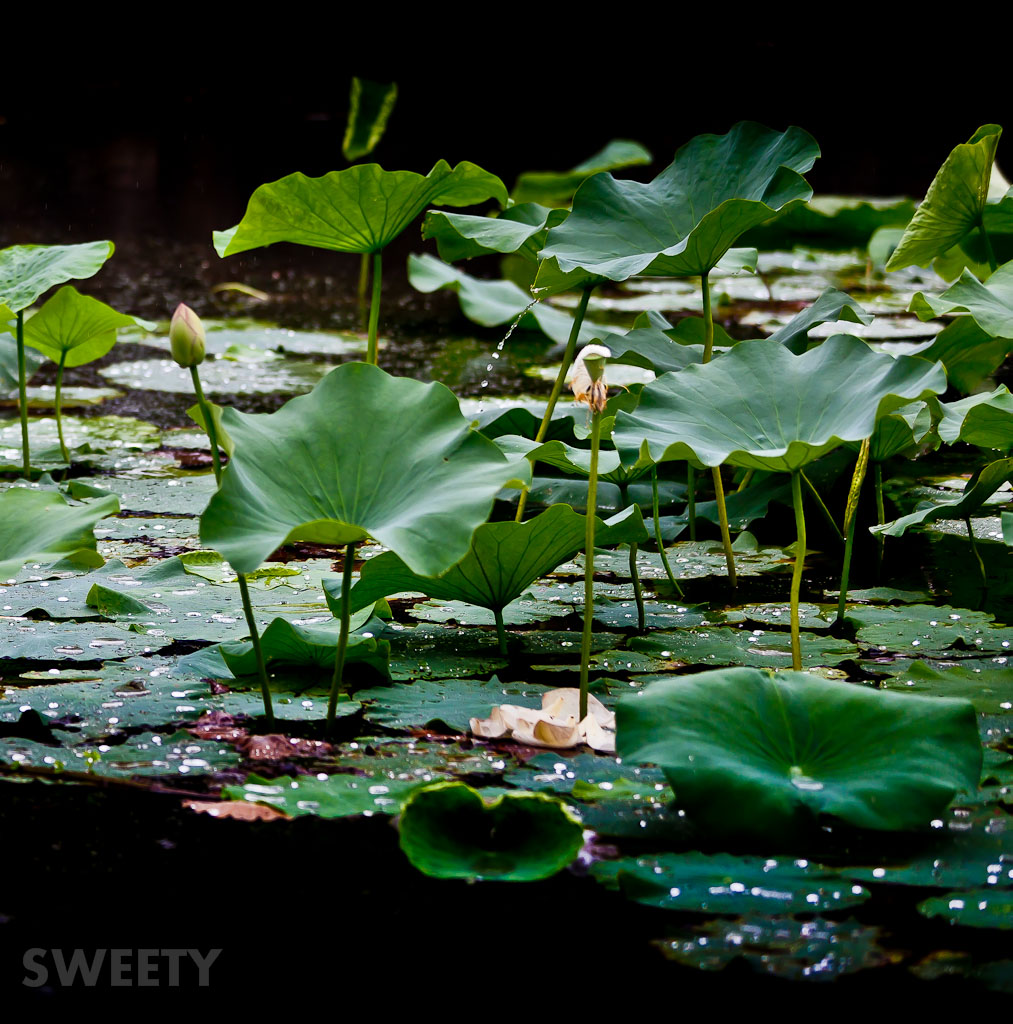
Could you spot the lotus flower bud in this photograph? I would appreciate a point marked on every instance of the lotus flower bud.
(587, 382)
(186, 336)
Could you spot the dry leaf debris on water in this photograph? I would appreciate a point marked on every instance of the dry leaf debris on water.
(555, 724)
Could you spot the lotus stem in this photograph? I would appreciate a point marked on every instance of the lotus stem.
(339, 657)
(989, 251)
(877, 478)
(209, 424)
(691, 500)
(23, 396)
(592, 512)
(708, 318)
(850, 518)
(977, 556)
(500, 631)
(374, 306)
(364, 290)
(821, 505)
(657, 532)
(638, 590)
(747, 479)
(557, 387)
(796, 575)
(57, 409)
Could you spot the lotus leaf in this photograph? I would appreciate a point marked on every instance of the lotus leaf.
(360, 209)
(684, 221)
(27, 271)
(987, 685)
(555, 188)
(834, 222)
(978, 908)
(984, 420)
(929, 630)
(330, 796)
(761, 407)
(753, 752)
(364, 454)
(9, 362)
(369, 108)
(954, 203)
(831, 307)
(449, 831)
(990, 304)
(520, 229)
(968, 353)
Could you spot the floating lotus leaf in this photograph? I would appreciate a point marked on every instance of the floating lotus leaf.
(831, 307)
(954, 203)
(520, 229)
(978, 908)
(492, 303)
(369, 108)
(752, 752)
(555, 188)
(76, 328)
(984, 420)
(333, 796)
(42, 526)
(449, 831)
(503, 561)
(988, 686)
(929, 630)
(359, 209)
(989, 304)
(27, 271)
(684, 221)
(363, 455)
(761, 407)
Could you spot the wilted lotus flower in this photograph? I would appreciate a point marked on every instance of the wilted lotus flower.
(186, 337)
(587, 381)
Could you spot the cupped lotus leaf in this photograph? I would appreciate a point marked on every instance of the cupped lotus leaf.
(556, 188)
(27, 271)
(42, 526)
(520, 229)
(359, 209)
(492, 303)
(990, 304)
(503, 561)
(954, 203)
(76, 328)
(449, 831)
(557, 453)
(831, 307)
(755, 752)
(969, 354)
(653, 349)
(979, 489)
(363, 455)
(905, 428)
(761, 407)
(683, 222)
(984, 420)
(369, 108)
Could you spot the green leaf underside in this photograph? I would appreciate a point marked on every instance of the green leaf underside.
(369, 108)
(989, 304)
(684, 221)
(984, 420)
(363, 455)
(748, 751)
(555, 188)
(761, 407)
(832, 306)
(359, 209)
(27, 271)
(520, 229)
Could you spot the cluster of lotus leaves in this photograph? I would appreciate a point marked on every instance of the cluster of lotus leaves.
(761, 407)
(363, 455)
(754, 752)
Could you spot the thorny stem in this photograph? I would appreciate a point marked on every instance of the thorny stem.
(57, 408)
(592, 512)
(23, 396)
(339, 657)
(796, 575)
(374, 306)
(557, 387)
(657, 532)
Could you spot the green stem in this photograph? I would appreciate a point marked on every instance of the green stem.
(374, 306)
(592, 512)
(747, 479)
(877, 477)
(796, 575)
(691, 500)
(821, 505)
(988, 246)
(364, 290)
(209, 424)
(500, 631)
(726, 537)
(842, 600)
(23, 396)
(57, 408)
(977, 555)
(346, 612)
(850, 518)
(557, 387)
(638, 590)
(708, 318)
(657, 532)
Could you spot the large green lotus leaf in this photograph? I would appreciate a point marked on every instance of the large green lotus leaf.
(449, 831)
(49, 640)
(9, 362)
(556, 188)
(988, 686)
(832, 222)
(557, 453)
(41, 525)
(492, 303)
(977, 908)
(77, 326)
(359, 209)
(503, 561)
(990, 304)
(907, 427)
(761, 407)
(929, 630)
(978, 490)
(369, 108)
(520, 229)
(655, 349)
(831, 307)
(364, 454)
(752, 752)
(954, 203)
(968, 353)
(684, 221)
(27, 271)
(972, 252)
(984, 420)
(727, 884)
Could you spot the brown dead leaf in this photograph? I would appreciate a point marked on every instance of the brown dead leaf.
(239, 809)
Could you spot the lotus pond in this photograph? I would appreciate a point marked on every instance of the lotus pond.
(698, 670)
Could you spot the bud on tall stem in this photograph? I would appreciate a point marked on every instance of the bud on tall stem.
(186, 337)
